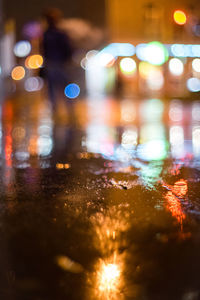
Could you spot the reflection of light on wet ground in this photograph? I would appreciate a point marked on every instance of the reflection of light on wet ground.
(67, 264)
(196, 141)
(18, 133)
(100, 139)
(45, 145)
(152, 110)
(62, 166)
(196, 111)
(128, 111)
(176, 137)
(174, 206)
(122, 214)
(177, 191)
(180, 188)
(153, 143)
(8, 149)
(176, 111)
(129, 137)
(108, 280)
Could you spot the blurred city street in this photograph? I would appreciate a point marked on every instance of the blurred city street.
(104, 207)
(100, 150)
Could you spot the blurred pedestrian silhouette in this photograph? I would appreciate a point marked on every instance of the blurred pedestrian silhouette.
(57, 53)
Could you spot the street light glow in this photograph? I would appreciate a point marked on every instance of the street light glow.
(176, 66)
(180, 17)
(18, 73)
(127, 66)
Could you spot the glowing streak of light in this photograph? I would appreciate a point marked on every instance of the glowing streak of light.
(109, 277)
(179, 189)
(8, 150)
(174, 206)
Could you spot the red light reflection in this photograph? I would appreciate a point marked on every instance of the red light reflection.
(178, 190)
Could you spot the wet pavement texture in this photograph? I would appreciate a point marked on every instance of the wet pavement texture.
(104, 207)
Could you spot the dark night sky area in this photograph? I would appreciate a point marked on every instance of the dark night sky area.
(25, 10)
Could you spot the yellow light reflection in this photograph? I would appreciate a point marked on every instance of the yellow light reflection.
(62, 166)
(34, 61)
(155, 79)
(144, 69)
(18, 133)
(128, 111)
(109, 277)
(107, 281)
(178, 190)
(127, 66)
(32, 148)
(18, 73)
(174, 206)
(180, 17)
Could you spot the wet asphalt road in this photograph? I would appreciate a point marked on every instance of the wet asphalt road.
(101, 204)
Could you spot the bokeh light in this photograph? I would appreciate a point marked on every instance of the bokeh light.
(91, 54)
(196, 111)
(32, 30)
(44, 145)
(180, 17)
(184, 50)
(196, 135)
(72, 91)
(196, 65)
(83, 63)
(33, 84)
(153, 150)
(106, 59)
(121, 49)
(156, 53)
(176, 135)
(144, 69)
(141, 51)
(128, 111)
(193, 84)
(22, 48)
(155, 79)
(152, 110)
(196, 140)
(18, 73)
(176, 111)
(129, 138)
(127, 66)
(176, 66)
(34, 61)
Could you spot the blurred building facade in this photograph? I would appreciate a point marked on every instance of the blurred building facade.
(92, 11)
(145, 20)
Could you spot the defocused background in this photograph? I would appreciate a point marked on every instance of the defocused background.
(124, 60)
(99, 149)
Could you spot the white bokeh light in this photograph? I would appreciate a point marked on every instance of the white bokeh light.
(176, 66)
(128, 65)
(196, 64)
(193, 84)
(22, 48)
